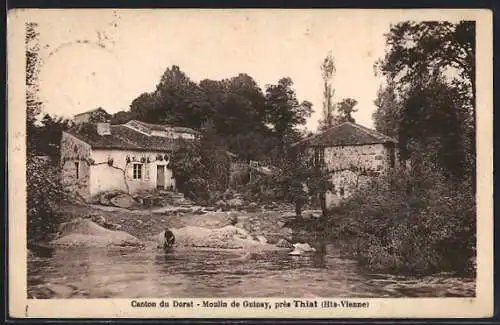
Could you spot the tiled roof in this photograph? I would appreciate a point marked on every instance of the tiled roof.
(161, 127)
(346, 134)
(125, 138)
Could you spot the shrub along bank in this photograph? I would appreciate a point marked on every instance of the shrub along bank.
(414, 222)
(43, 198)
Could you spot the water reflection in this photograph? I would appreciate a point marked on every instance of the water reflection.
(151, 272)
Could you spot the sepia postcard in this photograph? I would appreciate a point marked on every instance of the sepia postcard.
(190, 163)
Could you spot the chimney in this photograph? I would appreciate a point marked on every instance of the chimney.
(103, 128)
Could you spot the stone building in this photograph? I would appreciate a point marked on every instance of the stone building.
(352, 154)
(131, 157)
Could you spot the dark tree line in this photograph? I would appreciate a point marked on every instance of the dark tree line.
(43, 189)
(251, 122)
(422, 219)
(428, 101)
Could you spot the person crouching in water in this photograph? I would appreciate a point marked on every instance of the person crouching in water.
(169, 239)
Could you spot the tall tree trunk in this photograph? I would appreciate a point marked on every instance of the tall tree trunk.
(298, 208)
(322, 201)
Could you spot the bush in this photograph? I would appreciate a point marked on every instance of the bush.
(414, 222)
(263, 189)
(197, 189)
(43, 196)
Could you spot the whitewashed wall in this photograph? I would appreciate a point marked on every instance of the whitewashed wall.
(119, 176)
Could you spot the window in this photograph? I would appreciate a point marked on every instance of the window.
(319, 156)
(342, 191)
(137, 171)
(77, 168)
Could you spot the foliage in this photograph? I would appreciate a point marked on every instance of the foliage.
(249, 121)
(413, 221)
(422, 219)
(185, 163)
(197, 188)
(33, 64)
(214, 158)
(44, 195)
(283, 109)
(327, 72)
(387, 116)
(345, 109)
(46, 136)
(201, 167)
(430, 72)
(295, 181)
(431, 47)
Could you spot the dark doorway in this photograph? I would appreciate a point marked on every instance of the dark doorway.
(160, 177)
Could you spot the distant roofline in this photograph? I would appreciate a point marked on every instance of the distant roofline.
(362, 128)
(92, 110)
(75, 134)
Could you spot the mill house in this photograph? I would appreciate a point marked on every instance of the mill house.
(131, 157)
(352, 155)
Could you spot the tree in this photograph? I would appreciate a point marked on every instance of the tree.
(42, 182)
(432, 127)
(250, 122)
(146, 108)
(214, 158)
(283, 109)
(33, 66)
(318, 184)
(185, 163)
(435, 47)
(345, 109)
(122, 117)
(49, 133)
(290, 183)
(387, 115)
(432, 69)
(327, 72)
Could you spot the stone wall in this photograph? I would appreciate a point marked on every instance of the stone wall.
(75, 166)
(352, 167)
(345, 183)
(371, 157)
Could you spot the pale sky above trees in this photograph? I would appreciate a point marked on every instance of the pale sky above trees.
(107, 59)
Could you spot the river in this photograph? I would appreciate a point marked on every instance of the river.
(150, 272)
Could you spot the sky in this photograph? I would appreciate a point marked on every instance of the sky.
(107, 58)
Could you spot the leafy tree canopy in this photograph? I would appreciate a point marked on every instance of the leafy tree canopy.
(250, 121)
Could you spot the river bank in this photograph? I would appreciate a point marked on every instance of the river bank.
(93, 272)
(268, 227)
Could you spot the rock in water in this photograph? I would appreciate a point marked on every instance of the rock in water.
(228, 237)
(296, 251)
(304, 247)
(300, 248)
(262, 239)
(84, 232)
(235, 203)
